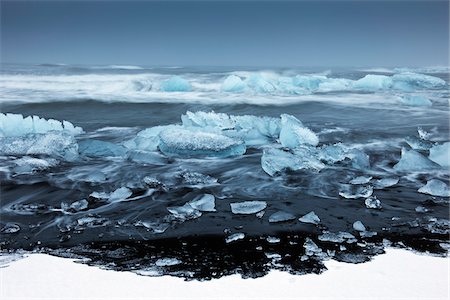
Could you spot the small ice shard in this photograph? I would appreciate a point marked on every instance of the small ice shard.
(360, 180)
(10, 228)
(281, 216)
(195, 178)
(120, 194)
(75, 206)
(233, 84)
(155, 227)
(260, 214)
(413, 100)
(234, 237)
(14, 125)
(414, 161)
(373, 82)
(423, 135)
(336, 238)
(272, 240)
(185, 212)
(355, 192)
(97, 148)
(167, 262)
(385, 183)
(30, 165)
(311, 248)
(274, 160)
(367, 234)
(373, 203)
(418, 144)
(441, 154)
(294, 134)
(310, 217)
(247, 207)
(186, 143)
(153, 183)
(175, 84)
(435, 187)
(359, 226)
(205, 202)
(421, 209)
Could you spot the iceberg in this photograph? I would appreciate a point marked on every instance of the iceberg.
(311, 218)
(197, 179)
(120, 194)
(205, 202)
(97, 148)
(294, 134)
(247, 207)
(332, 153)
(415, 100)
(175, 84)
(414, 161)
(373, 82)
(435, 187)
(186, 143)
(440, 154)
(281, 216)
(359, 226)
(13, 125)
(233, 84)
(57, 144)
(408, 81)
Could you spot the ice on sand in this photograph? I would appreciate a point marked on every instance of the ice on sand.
(414, 161)
(311, 218)
(373, 203)
(435, 187)
(234, 237)
(294, 134)
(248, 207)
(359, 226)
(205, 202)
(185, 212)
(360, 180)
(441, 154)
(276, 160)
(385, 183)
(187, 143)
(281, 216)
(349, 191)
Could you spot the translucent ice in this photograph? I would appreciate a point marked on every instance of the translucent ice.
(276, 160)
(272, 240)
(205, 202)
(441, 154)
(360, 180)
(359, 226)
(311, 248)
(147, 139)
(414, 161)
(234, 237)
(261, 84)
(413, 100)
(185, 212)
(418, 144)
(281, 216)
(373, 202)
(354, 192)
(197, 179)
(176, 84)
(233, 84)
(17, 125)
(335, 237)
(97, 148)
(385, 183)
(373, 82)
(294, 134)
(186, 143)
(30, 165)
(120, 194)
(310, 217)
(408, 81)
(248, 207)
(436, 188)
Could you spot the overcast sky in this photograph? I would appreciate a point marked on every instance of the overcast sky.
(294, 33)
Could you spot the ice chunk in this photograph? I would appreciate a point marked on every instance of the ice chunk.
(311, 248)
(147, 157)
(421, 209)
(167, 262)
(147, 139)
(373, 202)
(418, 144)
(97, 148)
(408, 81)
(414, 161)
(176, 84)
(367, 234)
(16, 125)
(281, 216)
(373, 82)
(360, 160)
(58, 144)
(10, 228)
(197, 179)
(120, 194)
(359, 226)
(423, 135)
(205, 202)
(335, 238)
(355, 192)
(234, 237)
(260, 83)
(233, 84)
(415, 100)
(309, 82)
(441, 154)
(435, 187)
(91, 222)
(185, 212)
(310, 217)
(385, 183)
(203, 119)
(276, 160)
(332, 153)
(186, 143)
(361, 180)
(30, 165)
(294, 134)
(248, 207)
(75, 206)
(272, 240)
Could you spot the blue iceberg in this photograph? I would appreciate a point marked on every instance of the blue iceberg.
(175, 84)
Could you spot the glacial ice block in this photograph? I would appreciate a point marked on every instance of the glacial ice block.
(409, 81)
(16, 125)
(294, 134)
(281, 216)
(30, 165)
(413, 100)
(97, 148)
(383, 183)
(414, 161)
(435, 187)
(261, 84)
(308, 82)
(185, 212)
(441, 154)
(233, 84)
(176, 84)
(373, 82)
(349, 191)
(276, 160)
(247, 207)
(56, 144)
(311, 218)
(205, 202)
(359, 226)
(187, 143)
